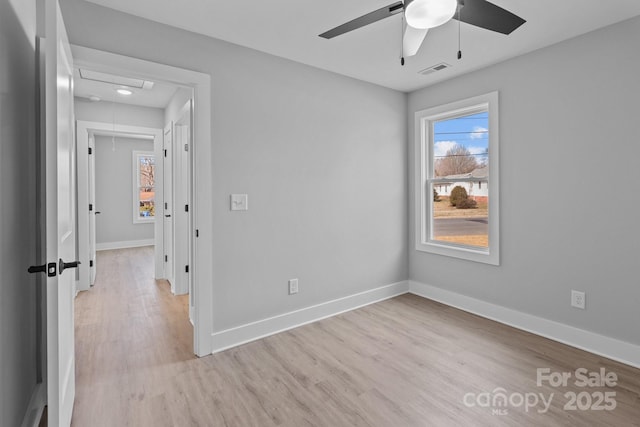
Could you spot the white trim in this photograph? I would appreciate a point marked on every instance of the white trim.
(591, 342)
(68, 387)
(202, 270)
(124, 245)
(621, 351)
(262, 328)
(423, 200)
(36, 406)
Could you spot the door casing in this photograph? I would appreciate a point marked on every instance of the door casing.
(201, 228)
(86, 131)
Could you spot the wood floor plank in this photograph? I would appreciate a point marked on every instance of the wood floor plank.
(406, 361)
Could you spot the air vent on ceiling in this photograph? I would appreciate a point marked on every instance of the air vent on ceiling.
(438, 67)
(98, 76)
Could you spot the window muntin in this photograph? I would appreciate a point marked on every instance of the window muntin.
(144, 186)
(457, 145)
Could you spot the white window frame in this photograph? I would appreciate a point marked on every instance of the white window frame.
(424, 120)
(136, 187)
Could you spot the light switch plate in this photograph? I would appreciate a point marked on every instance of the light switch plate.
(239, 202)
(293, 286)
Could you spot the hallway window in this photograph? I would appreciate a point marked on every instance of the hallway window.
(144, 167)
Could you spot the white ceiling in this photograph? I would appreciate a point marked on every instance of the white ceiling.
(290, 28)
(157, 97)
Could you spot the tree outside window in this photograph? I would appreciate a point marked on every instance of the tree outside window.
(144, 202)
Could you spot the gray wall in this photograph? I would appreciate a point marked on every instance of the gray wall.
(17, 210)
(114, 190)
(569, 171)
(322, 157)
(122, 114)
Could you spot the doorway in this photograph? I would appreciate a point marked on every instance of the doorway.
(198, 201)
(107, 222)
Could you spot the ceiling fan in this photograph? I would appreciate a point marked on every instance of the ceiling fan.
(422, 15)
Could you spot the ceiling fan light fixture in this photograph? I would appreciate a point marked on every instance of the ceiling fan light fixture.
(426, 14)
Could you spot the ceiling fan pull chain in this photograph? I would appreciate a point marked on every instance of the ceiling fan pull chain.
(459, 37)
(402, 40)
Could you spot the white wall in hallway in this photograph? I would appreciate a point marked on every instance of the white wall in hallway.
(180, 98)
(113, 225)
(114, 191)
(122, 114)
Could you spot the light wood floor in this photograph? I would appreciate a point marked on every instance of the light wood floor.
(402, 362)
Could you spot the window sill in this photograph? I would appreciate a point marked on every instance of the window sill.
(150, 220)
(460, 251)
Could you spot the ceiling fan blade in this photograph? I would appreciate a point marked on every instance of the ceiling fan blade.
(412, 40)
(367, 19)
(487, 15)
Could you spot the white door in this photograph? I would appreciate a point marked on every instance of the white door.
(167, 177)
(60, 221)
(182, 198)
(94, 211)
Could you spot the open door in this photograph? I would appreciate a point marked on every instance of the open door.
(169, 262)
(59, 206)
(94, 211)
(182, 200)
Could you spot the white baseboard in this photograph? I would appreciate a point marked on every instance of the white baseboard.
(124, 245)
(35, 408)
(611, 348)
(252, 331)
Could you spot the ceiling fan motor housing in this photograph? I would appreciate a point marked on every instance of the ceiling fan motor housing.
(425, 14)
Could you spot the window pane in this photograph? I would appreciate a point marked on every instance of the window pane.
(464, 226)
(146, 179)
(147, 167)
(147, 208)
(461, 172)
(460, 145)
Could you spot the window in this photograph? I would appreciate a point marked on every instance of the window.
(457, 186)
(144, 204)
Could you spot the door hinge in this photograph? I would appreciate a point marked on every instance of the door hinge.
(186, 268)
(186, 208)
(197, 233)
(90, 263)
(186, 147)
(165, 152)
(166, 258)
(90, 151)
(166, 206)
(90, 207)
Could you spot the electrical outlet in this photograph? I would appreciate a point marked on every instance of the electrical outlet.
(578, 299)
(293, 286)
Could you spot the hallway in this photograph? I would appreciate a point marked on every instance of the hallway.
(130, 333)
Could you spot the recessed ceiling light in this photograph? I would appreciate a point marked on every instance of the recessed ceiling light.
(125, 92)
